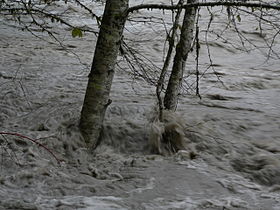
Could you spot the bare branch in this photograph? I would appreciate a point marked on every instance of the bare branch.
(203, 4)
(34, 141)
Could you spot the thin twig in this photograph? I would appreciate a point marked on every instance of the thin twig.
(34, 141)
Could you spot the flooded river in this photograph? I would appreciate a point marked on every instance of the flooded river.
(234, 127)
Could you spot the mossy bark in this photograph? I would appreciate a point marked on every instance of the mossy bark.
(102, 70)
(182, 50)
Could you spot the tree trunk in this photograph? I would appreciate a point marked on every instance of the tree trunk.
(102, 70)
(171, 41)
(182, 50)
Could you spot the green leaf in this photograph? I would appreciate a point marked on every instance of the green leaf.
(238, 18)
(77, 32)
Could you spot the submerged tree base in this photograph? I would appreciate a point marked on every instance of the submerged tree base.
(168, 137)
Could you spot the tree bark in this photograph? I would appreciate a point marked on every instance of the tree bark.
(182, 49)
(102, 71)
(171, 41)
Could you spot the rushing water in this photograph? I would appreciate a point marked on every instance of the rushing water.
(234, 126)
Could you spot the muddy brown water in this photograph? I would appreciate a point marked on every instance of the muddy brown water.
(234, 127)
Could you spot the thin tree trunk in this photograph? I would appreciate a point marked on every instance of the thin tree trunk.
(182, 50)
(171, 41)
(102, 71)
